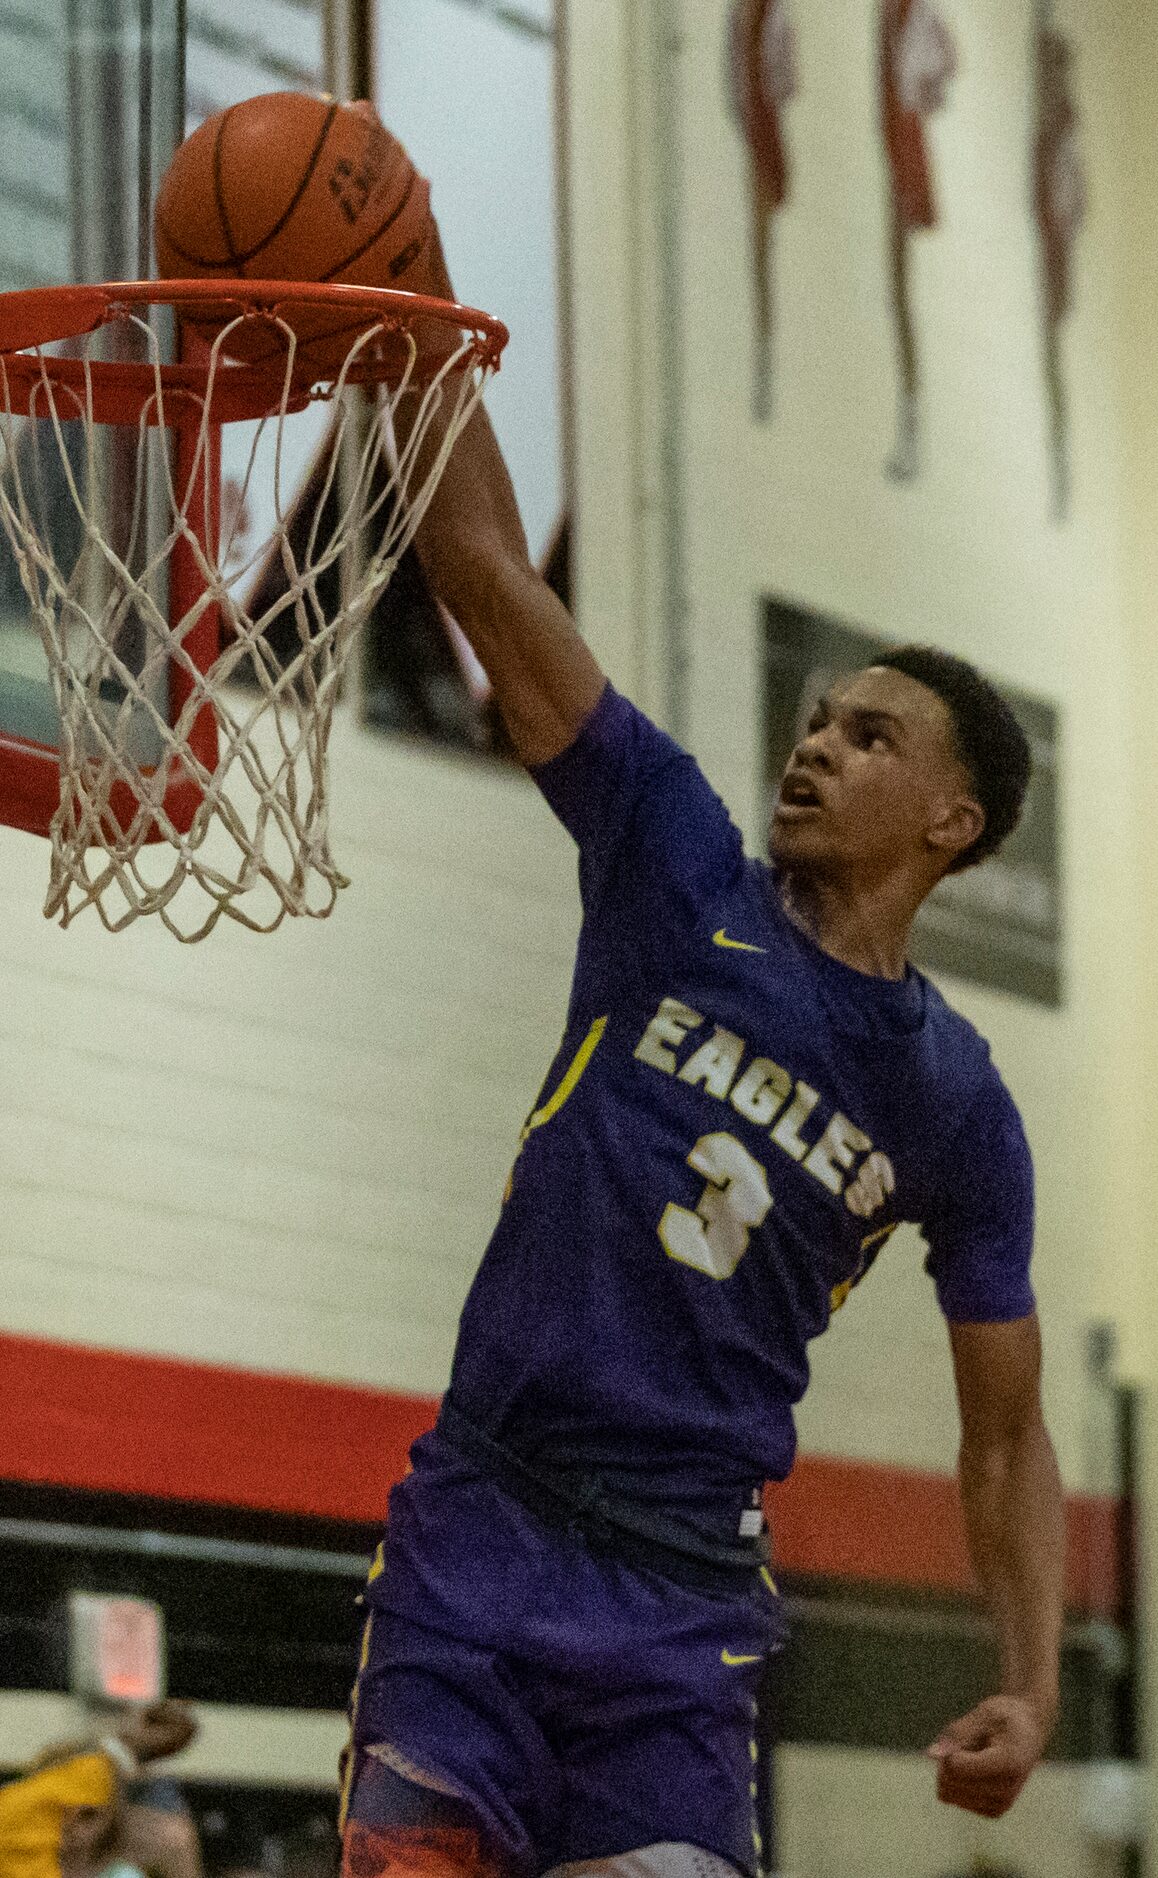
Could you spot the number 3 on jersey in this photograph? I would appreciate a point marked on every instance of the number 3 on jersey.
(715, 1237)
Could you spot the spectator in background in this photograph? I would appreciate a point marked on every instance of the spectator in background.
(158, 1837)
(239, 1847)
(63, 1818)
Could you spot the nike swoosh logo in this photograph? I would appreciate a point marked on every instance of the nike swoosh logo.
(733, 1662)
(734, 945)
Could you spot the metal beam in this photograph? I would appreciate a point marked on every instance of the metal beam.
(173, 1545)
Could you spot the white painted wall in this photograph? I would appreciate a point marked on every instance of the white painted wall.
(852, 1814)
(287, 1153)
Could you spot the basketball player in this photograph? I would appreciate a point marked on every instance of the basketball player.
(569, 1612)
(763, 73)
(917, 62)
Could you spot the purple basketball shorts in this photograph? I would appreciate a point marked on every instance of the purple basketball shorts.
(567, 1705)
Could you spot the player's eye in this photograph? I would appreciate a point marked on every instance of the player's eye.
(871, 737)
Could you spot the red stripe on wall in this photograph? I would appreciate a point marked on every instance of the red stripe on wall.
(113, 1422)
(896, 1525)
(851, 1519)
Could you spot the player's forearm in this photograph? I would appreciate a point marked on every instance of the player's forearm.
(161, 1844)
(1015, 1519)
(472, 529)
(474, 552)
(474, 515)
(545, 679)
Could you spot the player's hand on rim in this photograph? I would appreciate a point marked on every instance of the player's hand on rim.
(985, 1758)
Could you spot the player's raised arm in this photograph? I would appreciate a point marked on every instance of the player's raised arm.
(1012, 1499)
(474, 551)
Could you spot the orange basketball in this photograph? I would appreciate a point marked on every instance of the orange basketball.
(288, 186)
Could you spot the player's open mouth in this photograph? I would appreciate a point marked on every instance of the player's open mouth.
(799, 796)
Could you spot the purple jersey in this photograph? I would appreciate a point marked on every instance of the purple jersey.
(733, 1127)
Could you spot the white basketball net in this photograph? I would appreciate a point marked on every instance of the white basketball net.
(257, 846)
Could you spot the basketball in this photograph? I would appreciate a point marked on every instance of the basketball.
(289, 186)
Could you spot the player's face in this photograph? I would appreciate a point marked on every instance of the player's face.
(874, 774)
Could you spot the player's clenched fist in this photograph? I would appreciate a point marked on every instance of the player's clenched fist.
(985, 1758)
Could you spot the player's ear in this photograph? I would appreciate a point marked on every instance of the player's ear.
(954, 826)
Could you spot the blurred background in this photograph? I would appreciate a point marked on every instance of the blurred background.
(830, 327)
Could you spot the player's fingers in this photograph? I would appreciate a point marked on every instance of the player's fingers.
(970, 1731)
(988, 1805)
(960, 1774)
(990, 1797)
(995, 1760)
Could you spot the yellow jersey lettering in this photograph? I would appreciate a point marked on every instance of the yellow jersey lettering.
(762, 1091)
(670, 1024)
(786, 1133)
(835, 1152)
(715, 1063)
(872, 1186)
(765, 1093)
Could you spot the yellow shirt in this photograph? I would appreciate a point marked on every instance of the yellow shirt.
(31, 1810)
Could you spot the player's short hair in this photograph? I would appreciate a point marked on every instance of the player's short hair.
(991, 744)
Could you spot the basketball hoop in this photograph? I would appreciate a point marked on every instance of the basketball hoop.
(192, 776)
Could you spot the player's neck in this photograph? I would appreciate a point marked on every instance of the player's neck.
(864, 927)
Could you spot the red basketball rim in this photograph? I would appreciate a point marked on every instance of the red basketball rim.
(444, 333)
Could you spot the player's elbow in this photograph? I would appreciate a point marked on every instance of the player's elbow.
(996, 1460)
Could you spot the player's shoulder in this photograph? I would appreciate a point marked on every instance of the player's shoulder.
(956, 1041)
(964, 1057)
(649, 825)
(950, 1025)
(622, 739)
(616, 734)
